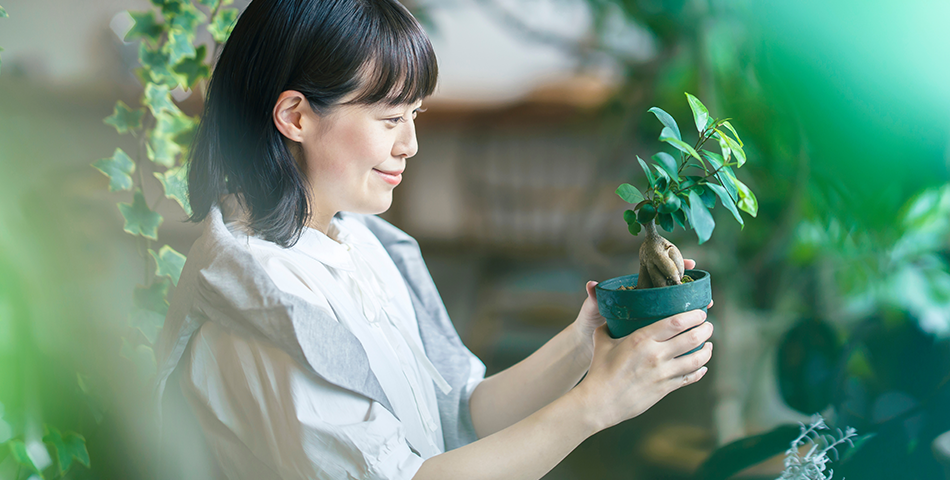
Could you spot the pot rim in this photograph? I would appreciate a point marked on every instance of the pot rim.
(705, 276)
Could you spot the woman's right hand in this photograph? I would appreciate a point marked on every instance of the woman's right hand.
(629, 375)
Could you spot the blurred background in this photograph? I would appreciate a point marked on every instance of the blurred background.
(834, 299)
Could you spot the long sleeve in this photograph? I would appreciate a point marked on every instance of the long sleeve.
(266, 417)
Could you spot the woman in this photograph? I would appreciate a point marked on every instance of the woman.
(306, 333)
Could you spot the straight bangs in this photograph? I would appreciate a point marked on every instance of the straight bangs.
(403, 68)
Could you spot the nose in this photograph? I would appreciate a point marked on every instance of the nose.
(406, 145)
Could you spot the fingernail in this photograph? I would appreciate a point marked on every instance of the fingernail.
(703, 370)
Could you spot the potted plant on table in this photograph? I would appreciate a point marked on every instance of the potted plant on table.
(679, 192)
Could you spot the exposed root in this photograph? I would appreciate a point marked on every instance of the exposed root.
(661, 263)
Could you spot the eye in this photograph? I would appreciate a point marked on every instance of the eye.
(398, 120)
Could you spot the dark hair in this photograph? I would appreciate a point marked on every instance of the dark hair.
(326, 50)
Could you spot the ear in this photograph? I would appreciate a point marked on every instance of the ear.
(289, 110)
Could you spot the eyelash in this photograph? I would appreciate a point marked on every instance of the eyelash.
(397, 120)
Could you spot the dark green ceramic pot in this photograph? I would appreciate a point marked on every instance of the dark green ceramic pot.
(629, 310)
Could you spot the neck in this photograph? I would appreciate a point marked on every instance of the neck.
(321, 221)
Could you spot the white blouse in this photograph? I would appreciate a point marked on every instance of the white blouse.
(265, 416)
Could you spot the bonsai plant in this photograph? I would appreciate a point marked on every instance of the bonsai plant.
(678, 192)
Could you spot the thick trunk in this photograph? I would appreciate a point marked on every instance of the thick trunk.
(661, 263)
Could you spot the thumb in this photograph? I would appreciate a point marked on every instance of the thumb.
(591, 292)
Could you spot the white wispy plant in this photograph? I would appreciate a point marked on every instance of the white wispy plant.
(812, 465)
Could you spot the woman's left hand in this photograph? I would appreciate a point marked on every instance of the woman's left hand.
(589, 318)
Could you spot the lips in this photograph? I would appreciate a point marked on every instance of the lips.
(391, 177)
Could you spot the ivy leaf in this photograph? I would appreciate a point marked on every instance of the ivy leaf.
(700, 113)
(681, 146)
(175, 183)
(192, 69)
(222, 24)
(747, 201)
(162, 147)
(145, 27)
(119, 169)
(629, 193)
(213, 4)
(667, 120)
(646, 170)
(143, 358)
(139, 219)
(156, 66)
(18, 449)
(3, 13)
(170, 8)
(148, 322)
(158, 99)
(187, 20)
(179, 46)
(699, 217)
(727, 201)
(124, 118)
(667, 163)
(168, 263)
(162, 151)
(152, 297)
(68, 447)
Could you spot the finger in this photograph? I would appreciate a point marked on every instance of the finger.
(681, 344)
(591, 293)
(711, 302)
(690, 363)
(669, 327)
(689, 263)
(680, 381)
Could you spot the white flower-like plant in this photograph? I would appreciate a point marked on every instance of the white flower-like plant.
(812, 465)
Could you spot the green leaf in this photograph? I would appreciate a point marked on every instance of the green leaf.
(707, 196)
(699, 217)
(212, 4)
(171, 8)
(736, 150)
(175, 183)
(178, 46)
(726, 177)
(724, 146)
(3, 13)
(726, 200)
(168, 263)
(667, 163)
(124, 118)
(158, 99)
(148, 322)
(681, 146)
(187, 20)
(667, 120)
(145, 27)
(157, 66)
(68, 447)
(222, 24)
(666, 221)
(162, 147)
(153, 297)
(139, 219)
(733, 130)
(634, 228)
(18, 449)
(680, 217)
(747, 201)
(192, 69)
(629, 216)
(118, 168)
(646, 170)
(142, 358)
(629, 193)
(700, 113)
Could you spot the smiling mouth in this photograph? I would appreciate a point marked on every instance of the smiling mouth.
(392, 178)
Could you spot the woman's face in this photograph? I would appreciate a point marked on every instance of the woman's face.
(355, 156)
